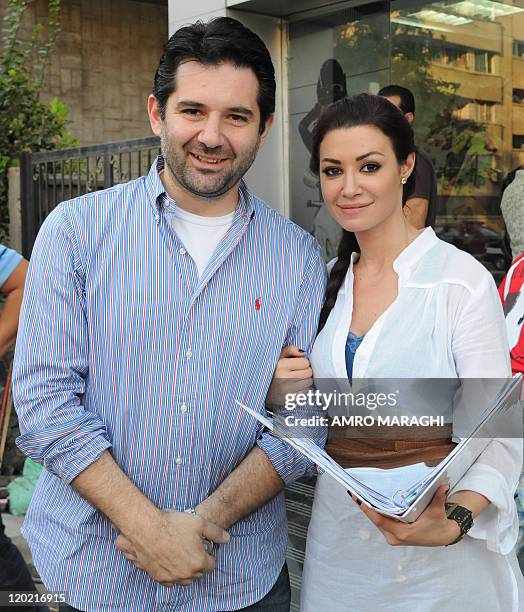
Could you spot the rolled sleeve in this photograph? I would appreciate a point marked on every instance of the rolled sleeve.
(289, 463)
(51, 358)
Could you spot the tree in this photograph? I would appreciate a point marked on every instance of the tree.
(26, 124)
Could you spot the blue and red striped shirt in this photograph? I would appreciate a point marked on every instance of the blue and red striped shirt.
(122, 345)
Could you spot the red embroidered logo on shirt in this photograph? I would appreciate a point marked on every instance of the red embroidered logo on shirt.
(257, 303)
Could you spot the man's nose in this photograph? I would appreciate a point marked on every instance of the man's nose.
(211, 134)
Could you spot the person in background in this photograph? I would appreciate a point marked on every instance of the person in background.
(512, 208)
(512, 297)
(13, 270)
(14, 575)
(420, 191)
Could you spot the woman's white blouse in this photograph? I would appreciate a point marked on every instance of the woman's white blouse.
(447, 322)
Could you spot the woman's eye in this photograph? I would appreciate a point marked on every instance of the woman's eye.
(370, 167)
(331, 171)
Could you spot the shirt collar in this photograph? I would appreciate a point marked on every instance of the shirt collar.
(155, 188)
(414, 252)
(410, 256)
(158, 195)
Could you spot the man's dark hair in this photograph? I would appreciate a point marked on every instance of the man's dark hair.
(222, 40)
(407, 99)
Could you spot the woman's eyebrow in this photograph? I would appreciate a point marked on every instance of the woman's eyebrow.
(360, 157)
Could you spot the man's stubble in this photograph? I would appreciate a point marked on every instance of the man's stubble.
(194, 181)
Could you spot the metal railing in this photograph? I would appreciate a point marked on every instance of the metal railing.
(50, 177)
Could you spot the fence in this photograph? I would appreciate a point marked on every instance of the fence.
(50, 177)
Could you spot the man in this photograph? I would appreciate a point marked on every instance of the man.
(420, 191)
(151, 307)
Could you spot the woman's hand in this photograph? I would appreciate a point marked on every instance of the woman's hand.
(293, 374)
(294, 364)
(432, 528)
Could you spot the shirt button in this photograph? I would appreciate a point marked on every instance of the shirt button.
(189, 354)
(183, 408)
(364, 534)
(182, 251)
(179, 461)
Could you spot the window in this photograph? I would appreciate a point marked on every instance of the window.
(518, 96)
(478, 110)
(518, 48)
(518, 141)
(484, 61)
(465, 58)
(452, 56)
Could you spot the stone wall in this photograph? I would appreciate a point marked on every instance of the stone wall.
(103, 64)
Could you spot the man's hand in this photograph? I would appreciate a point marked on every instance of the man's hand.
(171, 549)
(167, 545)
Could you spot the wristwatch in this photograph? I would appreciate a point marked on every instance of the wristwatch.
(208, 545)
(460, 515)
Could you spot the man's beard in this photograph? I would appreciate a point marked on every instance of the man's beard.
(197, 182)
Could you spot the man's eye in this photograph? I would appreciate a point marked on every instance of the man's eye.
(191, 112)
(331, 171)
(371, 167)
(238, 118)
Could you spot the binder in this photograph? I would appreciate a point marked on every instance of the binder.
(404, 493)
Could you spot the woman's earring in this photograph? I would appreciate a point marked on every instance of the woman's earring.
(403, 180)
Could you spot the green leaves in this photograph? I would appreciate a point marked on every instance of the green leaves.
(26, 124)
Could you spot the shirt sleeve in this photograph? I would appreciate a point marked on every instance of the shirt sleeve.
(9, 260)
(51, 359)
(481, 350)
(288, 462)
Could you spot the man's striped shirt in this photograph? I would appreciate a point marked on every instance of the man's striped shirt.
(121, 345)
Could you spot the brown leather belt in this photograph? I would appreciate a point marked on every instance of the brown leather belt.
(388, 447)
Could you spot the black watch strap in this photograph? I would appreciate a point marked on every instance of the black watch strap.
(462, 516)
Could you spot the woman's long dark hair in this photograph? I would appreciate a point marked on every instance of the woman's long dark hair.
(362, 109)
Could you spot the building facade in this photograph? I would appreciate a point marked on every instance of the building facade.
(102, 64)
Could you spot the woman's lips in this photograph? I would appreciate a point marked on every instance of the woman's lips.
(353, 209)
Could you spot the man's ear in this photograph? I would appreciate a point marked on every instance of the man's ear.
(410, 117)
(267, 127)
(154, 114)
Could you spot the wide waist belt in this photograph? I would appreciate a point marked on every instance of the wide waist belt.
(389, 447)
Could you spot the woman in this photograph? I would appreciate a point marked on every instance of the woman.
(400, 303)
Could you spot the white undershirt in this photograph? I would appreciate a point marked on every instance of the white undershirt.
(199, 235)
